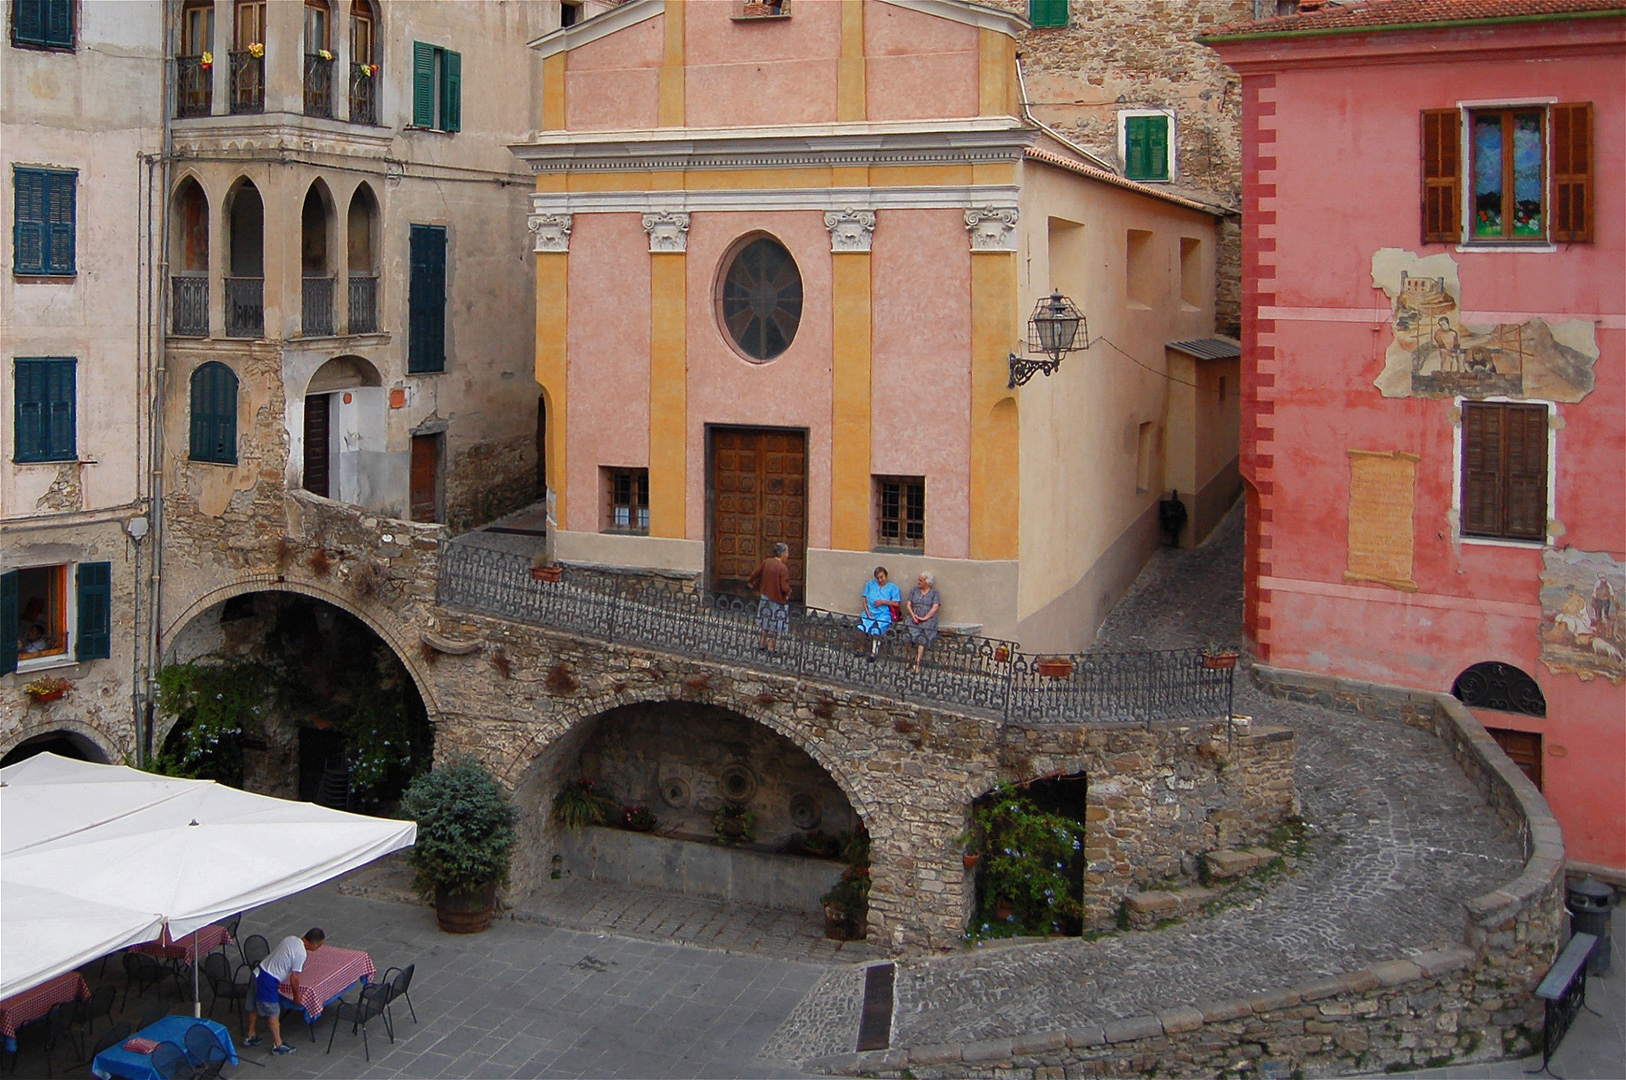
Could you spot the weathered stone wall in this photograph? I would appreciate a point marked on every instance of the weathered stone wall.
(489, 479)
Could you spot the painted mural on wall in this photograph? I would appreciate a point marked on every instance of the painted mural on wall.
(1433, 353)
(1583, 614)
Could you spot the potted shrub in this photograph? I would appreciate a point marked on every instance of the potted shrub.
(46, 689)
(639, 818)
(846, 906)
(734, 824)
(465, 842)
(580, 804)
(1054, 667)
(542, 570)
(1219, 656)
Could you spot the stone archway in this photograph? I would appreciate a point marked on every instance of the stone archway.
(67, 737)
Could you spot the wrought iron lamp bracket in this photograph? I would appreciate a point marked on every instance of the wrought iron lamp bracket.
(1023, 369)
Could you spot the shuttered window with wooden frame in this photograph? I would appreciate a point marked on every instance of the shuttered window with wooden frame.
(1442, 172)
(1504, 470)
(1572, 172)
(437, 87)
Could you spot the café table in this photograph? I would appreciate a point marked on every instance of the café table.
(329, 973)
(137, 1064)
(35, 1002)
(200, 942)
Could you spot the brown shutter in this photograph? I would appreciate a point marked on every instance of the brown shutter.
(1525, 470)
(1481, 469)
(1442, 171)
(1572, 172)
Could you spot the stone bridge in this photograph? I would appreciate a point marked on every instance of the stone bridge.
(516, 672)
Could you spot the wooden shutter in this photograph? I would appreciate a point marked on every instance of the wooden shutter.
(1525, 469)
(1157, 147)
(214, 414)
(1442, 176)
(59, 23)
(423, 85)
(94, 639)
(29, 388)
(1481, 469)
(28, 226)
(28, 22)
(60, 217)
(451, 91)
(1572, 172)
(60, 435)
(426, 300)
(8, 623)
(1047, 12)
(1135, 137)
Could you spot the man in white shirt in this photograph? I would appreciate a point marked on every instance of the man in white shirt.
(286, 961)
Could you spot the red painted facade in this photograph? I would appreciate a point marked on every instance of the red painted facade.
(1333, 174)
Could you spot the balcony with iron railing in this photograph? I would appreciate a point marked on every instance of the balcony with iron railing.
(318, 85)
(316, 307)
(364, 93)
(194, 86)
(189, 305)
(248, 82)
(245, 307)
(363, 304)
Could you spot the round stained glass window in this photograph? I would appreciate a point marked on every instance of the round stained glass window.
(761, 299)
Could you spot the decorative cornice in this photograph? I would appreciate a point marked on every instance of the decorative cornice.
(668, 230)
(962, 11)
(552, 231)
(825, 200)
(601, 25)
(850, 229)
(991, 228)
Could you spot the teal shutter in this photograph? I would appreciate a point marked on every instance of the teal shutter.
(423, 85)
(61, 443)
(28, 22)
(451, 91)
(214, 414)
(426, 300)
(60, 212)
(28, 384)
(1146, 147)
(1047, 12)
(8, 623)
(95, 636)
(28, 224)
(59, 23)
(45, 427)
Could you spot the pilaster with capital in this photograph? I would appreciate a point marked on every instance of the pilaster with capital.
(850, 229)
(991, 229)
(668, 230)
(552, 231)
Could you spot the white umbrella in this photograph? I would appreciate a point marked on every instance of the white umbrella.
(47, 933)
(48, 797)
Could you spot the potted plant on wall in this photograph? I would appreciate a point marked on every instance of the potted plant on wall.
(543, 570)
(1219, 656)
(580, 804)
(1054, 667)
(846, 906)
(465, 842)
(45, 689)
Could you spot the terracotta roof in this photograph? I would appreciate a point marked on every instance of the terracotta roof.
(1386, 14)
(1050, 157)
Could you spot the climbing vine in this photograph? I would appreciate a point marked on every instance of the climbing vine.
(1025, 883)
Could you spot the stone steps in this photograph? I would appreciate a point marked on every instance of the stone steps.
(1223, 869)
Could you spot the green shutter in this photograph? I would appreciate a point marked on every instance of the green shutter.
(1047, 12)
(28, 22)
(423, 85)
(28, 224)
(59, 23)
(61, 442)
(45, 410)
(28, 384)
(1146, 147)
(426, 300)
(214, 414)
(451, 91)
(94, 640)
(60, 215)
(8, 623)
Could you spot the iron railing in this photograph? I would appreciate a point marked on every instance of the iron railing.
(363, 304)
(247, 82)
(316, 307)
(245, 307)
(958, 670)
(189, 305)
(318, 85)
(194, 87)
(363, 94)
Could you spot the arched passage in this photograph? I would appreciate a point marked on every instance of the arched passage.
(63, 741)
(361, 242)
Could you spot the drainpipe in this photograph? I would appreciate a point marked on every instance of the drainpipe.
(1027, 114)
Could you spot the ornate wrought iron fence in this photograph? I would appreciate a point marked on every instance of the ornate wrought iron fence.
(318, 85)
(245, 307)
(194, 86)
(363, 93)
(960, 671)
(363, 304)
(247, 82)
(316, 307)
(189, 305)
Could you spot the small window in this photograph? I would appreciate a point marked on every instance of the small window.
(760, 298)
(426, 301)
(570, 12)
(437, 87)
(900, 512)
(46, 410)
(214, 414)
(45, 24)
(1527, 173)
(1504, 470)
(1047, 12)
(44, 225)
(42, 622)
(1145, 145)
(626, 500)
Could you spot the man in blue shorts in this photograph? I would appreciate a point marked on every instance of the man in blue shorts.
(286, 961)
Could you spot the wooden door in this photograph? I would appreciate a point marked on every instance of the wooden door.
(758, 498)
(1523, 748)
(316, 440)
(425, 477)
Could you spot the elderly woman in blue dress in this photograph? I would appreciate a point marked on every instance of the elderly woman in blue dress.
(920, 615)
(881, 603)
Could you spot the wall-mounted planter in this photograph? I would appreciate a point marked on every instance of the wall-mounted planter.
(552, 574)
(1219, 660)
(1055, 669)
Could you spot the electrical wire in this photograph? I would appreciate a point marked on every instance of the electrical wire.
(1134, 360)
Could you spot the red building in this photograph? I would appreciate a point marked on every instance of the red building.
(1433, 376)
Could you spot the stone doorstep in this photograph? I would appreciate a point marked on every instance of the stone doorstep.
(1149, 908)
(1223, 864)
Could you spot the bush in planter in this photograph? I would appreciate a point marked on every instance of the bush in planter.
(580, 804)
(465, 839)
(734, 824)
(846, 906)
(638, 818)
(1026, 852)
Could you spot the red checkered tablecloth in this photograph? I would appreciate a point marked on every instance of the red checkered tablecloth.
(200, 942)
(35, 1003)
(329, 971)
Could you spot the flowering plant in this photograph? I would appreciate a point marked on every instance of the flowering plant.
(324, 54)
(207, 60)
(47, 687)
(369, 70)
(580, 803)
(257, 50)
(639, 818)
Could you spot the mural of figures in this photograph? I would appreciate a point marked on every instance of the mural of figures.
(1435, 354)
(1583, 627)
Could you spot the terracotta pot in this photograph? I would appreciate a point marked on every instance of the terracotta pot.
(465, 912)
(757, 11)
(1003, 909)
(1002, 654)
(970, 859)
(547, 573)
(1055, 669)
(1219, 660)
(49, 695)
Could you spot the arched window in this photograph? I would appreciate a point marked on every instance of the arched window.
(362, 245)
(1499, 686)
(245, 283)
(364, 60)
(189, 255)
(214, 414)
(316, 263)
(760, 298)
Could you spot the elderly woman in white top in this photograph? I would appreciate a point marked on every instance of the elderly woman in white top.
(920, 615)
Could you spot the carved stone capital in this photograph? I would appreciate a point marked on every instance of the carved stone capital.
(668, 230)
(991, 229)
(552, 231)
(850, 230)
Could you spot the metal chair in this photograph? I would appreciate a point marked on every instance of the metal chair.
(212, 1064)
(100, 1003)
(231, 925)
(222, 980)
(370, 1004)
(170, 1062)
(112, 1037)
(199, 1041)
(143, 970)
(63, 1017)
(36, 1032)
(254, 949)
(399, 981)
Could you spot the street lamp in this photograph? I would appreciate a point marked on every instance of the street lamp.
(1053, 330)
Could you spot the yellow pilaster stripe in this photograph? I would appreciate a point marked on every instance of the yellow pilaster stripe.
(670, 110)
(553, 92)
(850, 402)
(551, 325)
(996, 74)
(995, 445)
(668, 393)
(850, 83)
